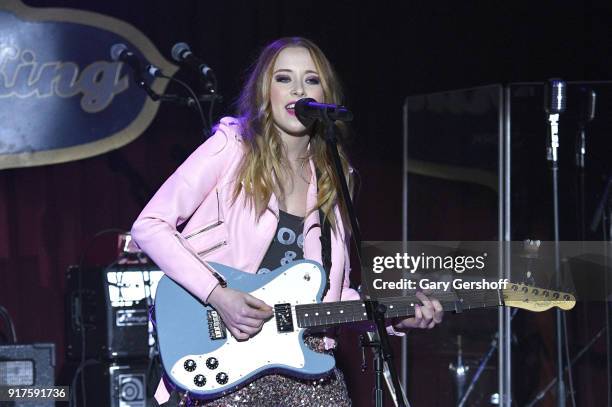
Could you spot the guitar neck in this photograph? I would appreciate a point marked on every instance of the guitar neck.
(343, 312)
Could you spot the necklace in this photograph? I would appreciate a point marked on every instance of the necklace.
(301, 171)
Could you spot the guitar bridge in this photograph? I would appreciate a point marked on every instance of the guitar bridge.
(216, 327)
(284, 319)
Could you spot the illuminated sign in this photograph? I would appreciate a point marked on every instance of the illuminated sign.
(61, 97)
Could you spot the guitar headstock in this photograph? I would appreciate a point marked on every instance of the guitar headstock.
(535, 298)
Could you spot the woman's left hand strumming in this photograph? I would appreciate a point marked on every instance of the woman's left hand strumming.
(427, 315)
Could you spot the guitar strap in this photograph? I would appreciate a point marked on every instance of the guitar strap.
(326, 249)
(325, 244)
(154, 367)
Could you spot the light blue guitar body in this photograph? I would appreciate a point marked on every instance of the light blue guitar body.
(198, 359)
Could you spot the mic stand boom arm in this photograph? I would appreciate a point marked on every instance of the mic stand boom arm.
(187, 101)
(179, 100)
(376, 311)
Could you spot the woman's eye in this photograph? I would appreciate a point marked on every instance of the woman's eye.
(313, 80)
(282, 78)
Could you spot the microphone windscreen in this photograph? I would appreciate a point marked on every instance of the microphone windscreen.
(591, 110)
(586, 104)
(178, 49)
(116, 50)
(301, 111)
(555, 96)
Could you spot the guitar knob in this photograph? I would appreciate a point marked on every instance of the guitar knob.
(222, 378)
(190, 365)
(199, 380)
(212, 363)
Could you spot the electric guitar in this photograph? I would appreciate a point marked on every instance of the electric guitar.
(202, 358)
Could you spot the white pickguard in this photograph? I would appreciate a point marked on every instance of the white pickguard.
(297, 285)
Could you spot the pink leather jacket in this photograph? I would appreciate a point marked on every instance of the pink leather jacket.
(200, 193)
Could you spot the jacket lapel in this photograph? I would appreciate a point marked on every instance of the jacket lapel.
(312, 229)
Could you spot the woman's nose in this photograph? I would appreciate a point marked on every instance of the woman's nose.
(298, 91)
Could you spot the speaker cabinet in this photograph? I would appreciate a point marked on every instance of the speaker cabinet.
(114, 384)
(28, 365)
(110, 305)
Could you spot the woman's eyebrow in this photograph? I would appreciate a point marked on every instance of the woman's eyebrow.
(290, 70)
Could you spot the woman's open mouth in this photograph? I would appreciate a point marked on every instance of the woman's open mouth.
(290, 108)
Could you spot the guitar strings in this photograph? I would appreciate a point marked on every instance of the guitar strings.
(478, 295)
(449, 301)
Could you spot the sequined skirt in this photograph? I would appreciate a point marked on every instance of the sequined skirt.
(277, 390)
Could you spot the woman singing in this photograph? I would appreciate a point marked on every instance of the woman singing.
(250, 198)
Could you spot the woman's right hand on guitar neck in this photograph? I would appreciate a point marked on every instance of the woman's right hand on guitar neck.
(241, 313)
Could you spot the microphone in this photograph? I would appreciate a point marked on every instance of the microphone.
(121, 53)
(587, 105)
(181, 53)
(586, 101)
(555, 96)
(307, 109)
(555, 100)
(154, 71)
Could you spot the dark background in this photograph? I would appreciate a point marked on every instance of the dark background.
(383, 51)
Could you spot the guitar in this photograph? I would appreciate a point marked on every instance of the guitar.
(200, 356)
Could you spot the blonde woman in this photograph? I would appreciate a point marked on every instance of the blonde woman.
(250, 198)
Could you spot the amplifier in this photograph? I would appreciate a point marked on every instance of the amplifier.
(28, 365)
(111, 306)
(113, 384)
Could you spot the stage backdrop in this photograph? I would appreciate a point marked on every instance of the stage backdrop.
(383, 51)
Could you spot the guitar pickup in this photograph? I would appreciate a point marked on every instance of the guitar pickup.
(216, 327)
(284, 319)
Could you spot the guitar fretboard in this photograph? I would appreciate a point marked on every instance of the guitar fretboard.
(342, 312)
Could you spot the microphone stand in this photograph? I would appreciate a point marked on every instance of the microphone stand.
(580, 166)
(553, 119)
(603, 214)
(179, 100)
(483, 364)
(193, 101)
(459, 370)
(586, 115)
(186, 100)
(374, 309)
(582, 351)
(140, 82)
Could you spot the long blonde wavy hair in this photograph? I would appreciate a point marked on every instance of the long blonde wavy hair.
(265, 158)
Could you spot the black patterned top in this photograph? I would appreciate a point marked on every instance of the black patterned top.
(287, 245)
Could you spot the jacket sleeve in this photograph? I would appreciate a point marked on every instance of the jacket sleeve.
(155, 229)
(348, 293)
